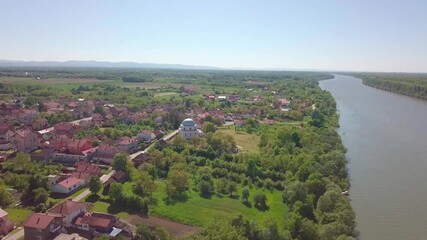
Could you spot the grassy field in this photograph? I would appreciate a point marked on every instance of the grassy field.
(18, 215)
(200, 211)
(162, 94)
(249, 142)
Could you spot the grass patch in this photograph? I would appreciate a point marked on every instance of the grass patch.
(196, 210)
(18, 215)
(249, 142)
(162, 94)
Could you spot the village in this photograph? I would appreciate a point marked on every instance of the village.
(84, 155)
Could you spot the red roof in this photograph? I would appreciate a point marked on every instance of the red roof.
(96, 221)
(67, 207)
(67, 183)
(39, 220)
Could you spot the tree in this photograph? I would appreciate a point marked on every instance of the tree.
(260, 200)
(40, 195)
(152, 170)
(115, 192)
(245, 194)
(99, 109)
(144, 185)
(5, 196)
(143, 232)
(120, 162)
(162, 234)
(95, 184)
(177, 183)
(232, 187)
(208, 127)
(205, 188)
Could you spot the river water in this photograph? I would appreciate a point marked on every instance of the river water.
(386, 138)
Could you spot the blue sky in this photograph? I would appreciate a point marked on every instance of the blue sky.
(360, 35)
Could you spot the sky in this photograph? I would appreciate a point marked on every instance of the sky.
(341, 35)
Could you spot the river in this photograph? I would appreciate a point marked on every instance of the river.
(386, 138)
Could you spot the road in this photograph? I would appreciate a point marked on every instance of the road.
(74, 122)
(166, 138)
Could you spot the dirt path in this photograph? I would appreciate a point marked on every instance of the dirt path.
(177, 230)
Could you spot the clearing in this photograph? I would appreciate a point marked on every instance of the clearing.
(249, 142)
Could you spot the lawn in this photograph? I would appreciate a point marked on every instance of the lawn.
(18, 215)
(249, 142)
(196, 210)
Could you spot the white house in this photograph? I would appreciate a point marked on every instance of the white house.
(69, 211)
(188, 129)
(146, 136)
(68, 185)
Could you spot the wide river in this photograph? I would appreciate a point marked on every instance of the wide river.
(386, 138)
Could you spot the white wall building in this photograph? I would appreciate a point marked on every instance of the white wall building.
(188, 129)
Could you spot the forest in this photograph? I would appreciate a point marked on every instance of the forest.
(413, 85)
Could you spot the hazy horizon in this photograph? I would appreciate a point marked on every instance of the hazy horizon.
(380, 36)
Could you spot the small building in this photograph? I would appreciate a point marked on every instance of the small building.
(146, 136)
(42, 226)
(69, 210)
(5, 225)
(102, 223)
(105, 154)
(188, 129)
(128, 144)
(25, 140)
(67, 186)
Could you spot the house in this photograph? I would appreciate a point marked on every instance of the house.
(5, 225)
(158, 133)
(97, 119)
(140, 159)
(102, 223)
(105, 154)
(27, 116)
(117, 177)
(158, 121)
(222, 98)
(128, 145)
(238, 123)
(69, 210)
(146, 136)
(86, 167)
(188, 129)
(67, 186)
(42, 226)
(268, 122)
(86, 124)
(25, 140)
(65, 128)
(39, 124)
(5, 126)
(52, 107)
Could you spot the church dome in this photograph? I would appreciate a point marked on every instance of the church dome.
(188, 122)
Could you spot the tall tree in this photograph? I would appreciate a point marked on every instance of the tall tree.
(95, 184)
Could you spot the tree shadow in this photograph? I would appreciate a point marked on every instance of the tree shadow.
(262, 208)
(234, 196)
(92, 198)
(172, 201)
(247, 204)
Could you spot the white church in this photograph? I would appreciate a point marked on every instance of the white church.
(188, 129)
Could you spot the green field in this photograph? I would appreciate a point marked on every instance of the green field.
(249, 142)
(18, 215)
(200, 211)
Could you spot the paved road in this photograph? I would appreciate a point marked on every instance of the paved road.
(166, 138)
(15, 236)
(86, 192)
(75, 122)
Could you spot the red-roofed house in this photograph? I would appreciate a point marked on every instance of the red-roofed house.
(86, 167)
(67, 186)
(102, 223)
(42, 226)
(5, 126)
(105, 154)
(69, 210)
(65, 128)
(39, 124)
(25, 140)
(128, 144)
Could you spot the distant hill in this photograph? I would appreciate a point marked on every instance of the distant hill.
(98, 64)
